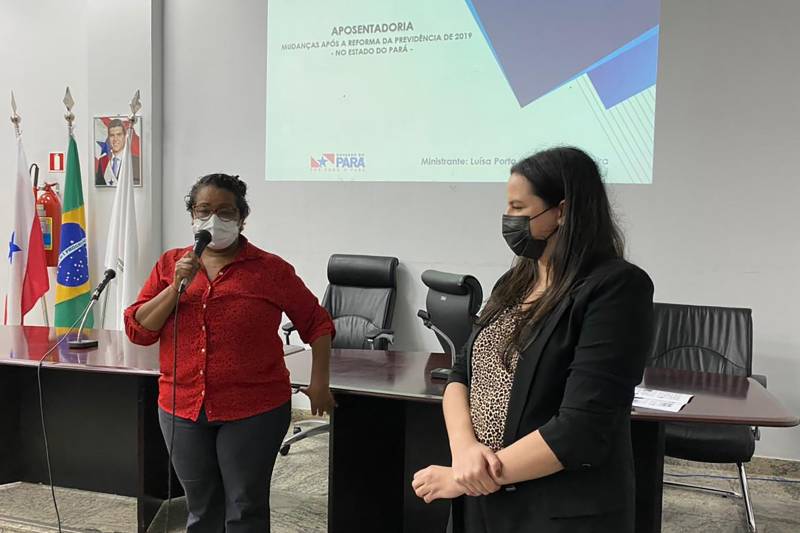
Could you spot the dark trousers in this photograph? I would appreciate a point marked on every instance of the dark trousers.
(226, 467)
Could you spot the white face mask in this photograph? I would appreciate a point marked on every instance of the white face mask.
(223, 233)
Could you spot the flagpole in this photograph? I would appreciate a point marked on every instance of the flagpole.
(69, 116)
(119, 264)
(15, 120)
(69, 103)
(74, 258)
(44, 311)
(30, 227)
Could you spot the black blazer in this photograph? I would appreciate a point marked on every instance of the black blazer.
(574, 383)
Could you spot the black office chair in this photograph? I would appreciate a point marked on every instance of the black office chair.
(360, 298)
(452, 307)
(716, 340)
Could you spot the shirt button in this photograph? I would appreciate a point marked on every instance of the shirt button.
(203, 328)
(202, 393)
(201, 371)
(203, 350)
(204, 306)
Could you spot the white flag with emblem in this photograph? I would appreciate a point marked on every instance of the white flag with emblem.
(122, 253)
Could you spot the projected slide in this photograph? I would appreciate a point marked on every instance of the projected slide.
(457, 90)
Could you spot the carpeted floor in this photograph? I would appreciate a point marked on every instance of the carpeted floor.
(299, 501)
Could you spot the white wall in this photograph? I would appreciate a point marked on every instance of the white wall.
(49, 44)
(55, 55)
(125, 52)
(718, 226)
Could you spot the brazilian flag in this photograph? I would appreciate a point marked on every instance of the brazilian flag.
(72, 283)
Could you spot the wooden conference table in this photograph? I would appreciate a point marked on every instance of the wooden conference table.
(101, 414)
(388, 424)
(104, 436)
(100, 407)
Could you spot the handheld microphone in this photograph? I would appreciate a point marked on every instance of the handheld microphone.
(79, 343)
(201, 240)
(108, 275)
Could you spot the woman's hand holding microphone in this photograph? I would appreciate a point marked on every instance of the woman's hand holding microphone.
(186, 268)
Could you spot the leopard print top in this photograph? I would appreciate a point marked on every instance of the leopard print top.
(492, 377)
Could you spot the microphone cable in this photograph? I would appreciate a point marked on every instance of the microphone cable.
(109, 275)
(174, 394)
(202, 239)
(39, 366)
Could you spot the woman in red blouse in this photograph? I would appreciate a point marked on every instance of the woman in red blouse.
(232, 392)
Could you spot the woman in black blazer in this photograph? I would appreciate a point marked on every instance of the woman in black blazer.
(538, 405)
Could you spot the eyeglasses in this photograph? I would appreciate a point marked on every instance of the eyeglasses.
(224, 213)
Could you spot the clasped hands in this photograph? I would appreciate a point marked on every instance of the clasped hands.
(476, 471)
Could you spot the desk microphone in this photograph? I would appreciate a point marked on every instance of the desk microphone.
(91, 343)
(201, 240)
(439, 373)
(108, 275)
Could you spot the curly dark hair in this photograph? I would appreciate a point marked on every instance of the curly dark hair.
(222, 181)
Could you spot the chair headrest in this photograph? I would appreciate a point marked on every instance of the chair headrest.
(460, 284)
(362, 270)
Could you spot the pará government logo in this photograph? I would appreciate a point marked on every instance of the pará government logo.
(331, 161)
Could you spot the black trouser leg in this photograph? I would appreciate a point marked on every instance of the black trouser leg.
(194, 458)
(246, 452)
(226, 467)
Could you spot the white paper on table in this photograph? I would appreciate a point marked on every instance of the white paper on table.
(654, 394)
(660, 400)
(659, 405)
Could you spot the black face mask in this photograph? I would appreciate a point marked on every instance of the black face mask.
(517, 233)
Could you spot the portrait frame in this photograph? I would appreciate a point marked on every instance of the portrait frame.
(105, 142)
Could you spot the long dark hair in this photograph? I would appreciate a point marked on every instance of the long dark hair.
(588, 235)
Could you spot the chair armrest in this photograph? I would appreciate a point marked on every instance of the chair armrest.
(425, 317)
(375, 334)
(761, 378)
(288, 328)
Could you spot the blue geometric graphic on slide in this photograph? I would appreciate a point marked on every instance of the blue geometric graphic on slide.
(542, 44)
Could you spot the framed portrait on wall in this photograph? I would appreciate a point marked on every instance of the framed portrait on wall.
(110, 134)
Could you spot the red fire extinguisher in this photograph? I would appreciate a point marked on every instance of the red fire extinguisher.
(48, 208)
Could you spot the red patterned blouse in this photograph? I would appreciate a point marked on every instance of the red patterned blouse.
(230, 355)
